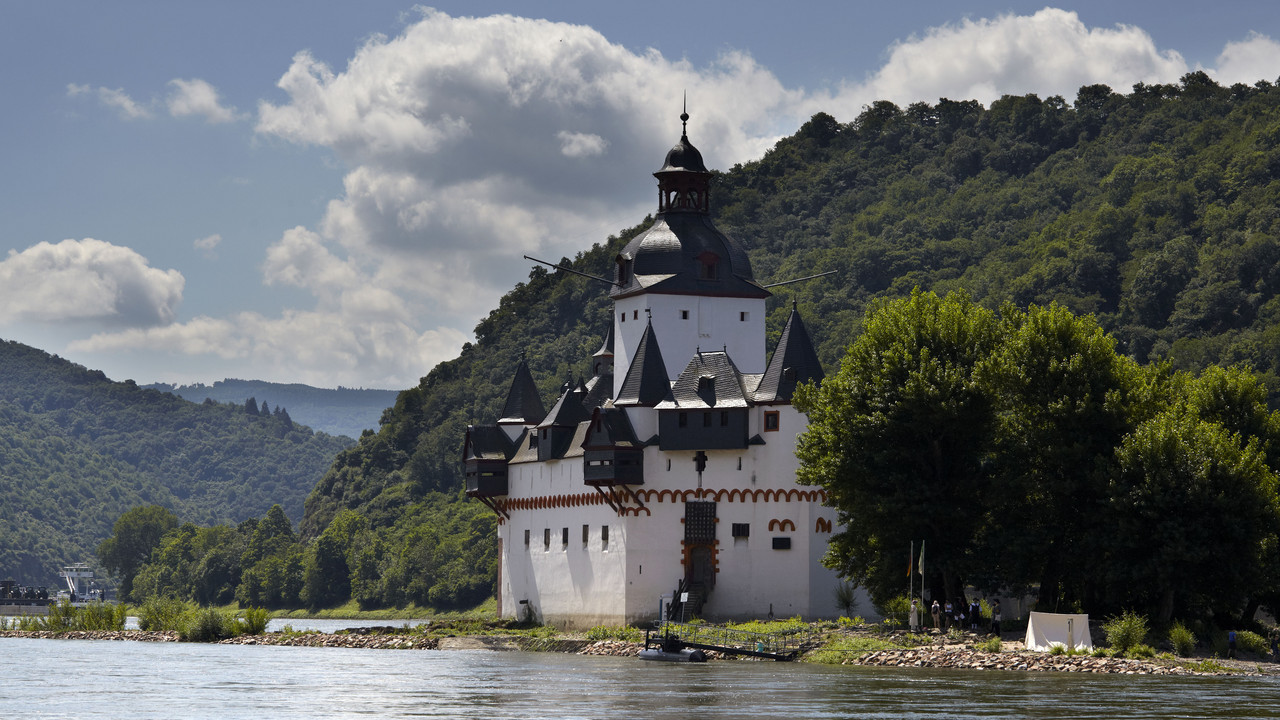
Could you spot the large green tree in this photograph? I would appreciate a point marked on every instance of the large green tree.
(898, 438)
(134, 536)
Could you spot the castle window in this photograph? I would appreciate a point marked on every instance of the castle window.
(684, 314)
(668, 464)
(564, 537)
(683, 421)
(706, 419)
(546, 538)
(635, 314)
(604, 537)
(741, 530)
(739, 462)
(526, 537)
(622, 317)
(586, 534)
(782, 543)
(744, 316)
(709, 266)
(771, 421)
(724, 418)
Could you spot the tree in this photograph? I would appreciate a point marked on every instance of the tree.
(1192, 512)
(1065, 399)
(898, 437)
(136, 533)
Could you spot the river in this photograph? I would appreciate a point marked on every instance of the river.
(104, 679)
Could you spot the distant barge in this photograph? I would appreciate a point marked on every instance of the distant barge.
(18, 599)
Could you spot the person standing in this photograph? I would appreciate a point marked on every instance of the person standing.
(995, 618)
(975, 615)
(947, 613)
(937, 616)
(913, 620)
(1231, 644)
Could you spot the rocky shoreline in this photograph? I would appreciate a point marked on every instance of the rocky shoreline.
(947, 657)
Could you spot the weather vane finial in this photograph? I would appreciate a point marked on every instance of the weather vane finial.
(684, 115)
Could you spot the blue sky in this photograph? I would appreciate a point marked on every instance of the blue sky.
(334, 192)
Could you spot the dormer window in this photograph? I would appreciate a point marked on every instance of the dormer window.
(624, 269)
(709, 264)
(706, 383)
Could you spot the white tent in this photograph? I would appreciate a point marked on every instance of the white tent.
(1044, 630)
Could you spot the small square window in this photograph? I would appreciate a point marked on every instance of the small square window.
(564, 536)
(744, 316)
(586, 534)
(742, 530)
(526, 538)
(684, 314)
(635, 314)
(622, 317)
(604, 536)
(771, 421)
(782, 543)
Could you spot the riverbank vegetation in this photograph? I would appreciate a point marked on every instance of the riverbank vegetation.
(1021, 449)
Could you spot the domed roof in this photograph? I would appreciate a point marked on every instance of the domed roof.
(683, 156)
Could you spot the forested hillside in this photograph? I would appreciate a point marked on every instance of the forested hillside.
(1158, 211)
(340, 411)
(77, 450)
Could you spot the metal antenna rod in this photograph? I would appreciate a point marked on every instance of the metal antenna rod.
(788, 282)
(575, 272)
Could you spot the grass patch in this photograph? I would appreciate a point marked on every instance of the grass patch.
(788, 626)
(1209, 666)
(990, 645)
(844, 647)
(620, 632)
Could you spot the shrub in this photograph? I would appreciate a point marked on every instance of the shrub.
(1251, 642)
(1101, 652)
(991, 645)
(99, 616)
(161, 614)
(252, 622)
(1125, 631)
(896, 610)
(206, 625)
(1182, 639)
(847, 597)
(1140, 651)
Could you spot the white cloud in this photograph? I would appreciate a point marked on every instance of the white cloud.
(208, 243)
(1255, 58)
(581, 145)
(198, 97)
(1048, 53)
(116, 99)
(79, 280)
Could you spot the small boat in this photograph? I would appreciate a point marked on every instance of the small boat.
(681, 655)
(669, 648)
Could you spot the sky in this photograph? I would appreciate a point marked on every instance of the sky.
(334, 193)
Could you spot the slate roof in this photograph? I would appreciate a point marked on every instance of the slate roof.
(794, 361)
(666, 259)
(616, 430)
(487, 442)
(568, 410)
(646, 382)
(599, 391)
(523, 407)
(710, 380)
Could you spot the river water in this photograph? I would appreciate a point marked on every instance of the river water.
(104, 679)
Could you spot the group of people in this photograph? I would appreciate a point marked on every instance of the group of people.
(956, 615)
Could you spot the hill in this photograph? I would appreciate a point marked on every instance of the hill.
(77, 450)
(1154, 210)
(341, 411)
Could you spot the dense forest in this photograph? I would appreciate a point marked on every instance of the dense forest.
(337, 411)
(1156, 212)
(77, 450)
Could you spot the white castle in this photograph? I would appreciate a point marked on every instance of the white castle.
(672, 479)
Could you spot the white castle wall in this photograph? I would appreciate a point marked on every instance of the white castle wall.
(713, 323)
(583, 585)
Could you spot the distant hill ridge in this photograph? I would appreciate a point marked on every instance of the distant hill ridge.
(77, 450)
(344, 411)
